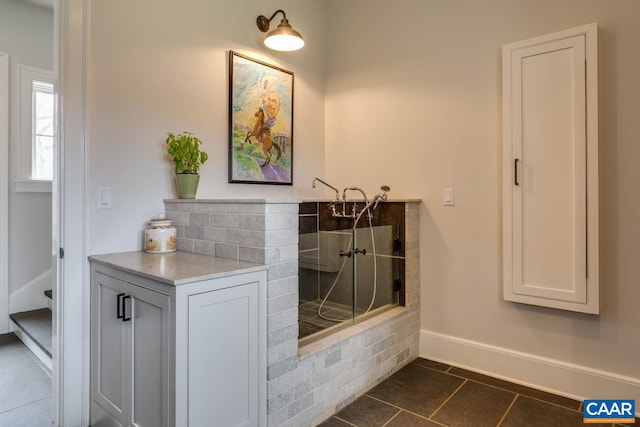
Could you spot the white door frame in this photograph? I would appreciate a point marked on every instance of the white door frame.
(4, 194)
(71, 302)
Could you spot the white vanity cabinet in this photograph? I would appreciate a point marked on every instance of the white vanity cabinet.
(177, 340)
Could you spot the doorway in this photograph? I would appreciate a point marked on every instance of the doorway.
(26, 272)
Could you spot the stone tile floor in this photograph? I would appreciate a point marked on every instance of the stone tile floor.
(427, 393)
(309, 321)
(25, 387)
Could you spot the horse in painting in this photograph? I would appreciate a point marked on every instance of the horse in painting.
(262, 133)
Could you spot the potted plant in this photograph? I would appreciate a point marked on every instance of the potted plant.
(184, 149)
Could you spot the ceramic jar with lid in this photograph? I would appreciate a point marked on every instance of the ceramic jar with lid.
(160, 236)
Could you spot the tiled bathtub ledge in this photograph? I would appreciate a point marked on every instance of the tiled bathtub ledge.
(339, 337)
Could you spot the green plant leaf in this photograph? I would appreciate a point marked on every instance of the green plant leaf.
(184, 149)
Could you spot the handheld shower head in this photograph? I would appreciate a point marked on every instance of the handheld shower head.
(382, 197)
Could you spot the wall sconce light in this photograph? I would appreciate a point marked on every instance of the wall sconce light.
(284, 37)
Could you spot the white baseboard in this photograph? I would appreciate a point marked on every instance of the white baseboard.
(551, 375)
(35, 349)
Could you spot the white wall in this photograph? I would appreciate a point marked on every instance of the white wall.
(26, 33)
(413, 100)
(161, 66)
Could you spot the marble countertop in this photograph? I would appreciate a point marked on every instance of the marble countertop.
(360, 200)
(284, 201)
(250, 201)
(176, 268)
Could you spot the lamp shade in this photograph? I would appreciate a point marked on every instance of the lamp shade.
(284, 38)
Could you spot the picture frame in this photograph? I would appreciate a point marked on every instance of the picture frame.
(260, 122)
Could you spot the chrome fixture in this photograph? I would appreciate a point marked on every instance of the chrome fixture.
(284, 37)
(348, 253)
(313, 185)
(355, 205)
(344, 193)
(368, 205)
(381, 197)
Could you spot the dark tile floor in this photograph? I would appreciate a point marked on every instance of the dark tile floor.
(427, 393)
(25, 387)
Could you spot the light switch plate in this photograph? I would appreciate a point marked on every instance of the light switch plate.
(104, 198)
(448, 197)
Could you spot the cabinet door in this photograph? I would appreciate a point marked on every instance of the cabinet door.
(148, 357)
(550, 231)
(109, 348)
(224, 374)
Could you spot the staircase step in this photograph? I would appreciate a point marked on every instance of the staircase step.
(48, 294)
(37, 324)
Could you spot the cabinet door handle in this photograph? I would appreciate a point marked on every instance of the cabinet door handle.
(515, 172)
(124, 308)
(119, 304)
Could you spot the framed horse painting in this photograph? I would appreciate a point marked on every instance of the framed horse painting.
(260, 122)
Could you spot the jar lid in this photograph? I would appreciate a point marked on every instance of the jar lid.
(160, 220)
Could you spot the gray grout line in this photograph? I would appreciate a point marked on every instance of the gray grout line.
(345, 421)
(548, 403)
(391, 419)
(26, 404)
(448, 398)
(507, 411)
(405, 410)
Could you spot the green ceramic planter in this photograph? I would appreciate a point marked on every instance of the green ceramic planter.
(187, 185)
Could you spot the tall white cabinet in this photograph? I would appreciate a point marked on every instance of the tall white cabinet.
(550, 170)
(177, 340)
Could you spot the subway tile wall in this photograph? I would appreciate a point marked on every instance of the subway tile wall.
(304, 385)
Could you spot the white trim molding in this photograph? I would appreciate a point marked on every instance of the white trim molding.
(24, 148)
(32, 186)
(551, 375)
(4, 193)
(71, 295)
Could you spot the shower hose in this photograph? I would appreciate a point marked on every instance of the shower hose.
(344, 261)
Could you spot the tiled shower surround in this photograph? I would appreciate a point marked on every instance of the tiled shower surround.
(304, 385)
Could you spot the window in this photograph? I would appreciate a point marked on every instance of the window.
(36, 131)
(42, 131)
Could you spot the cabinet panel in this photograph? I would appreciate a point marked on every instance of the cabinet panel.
(224, 357)
(149, 344)
(550, 200)
(550, 190)
(188, 355)
(109, 347)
